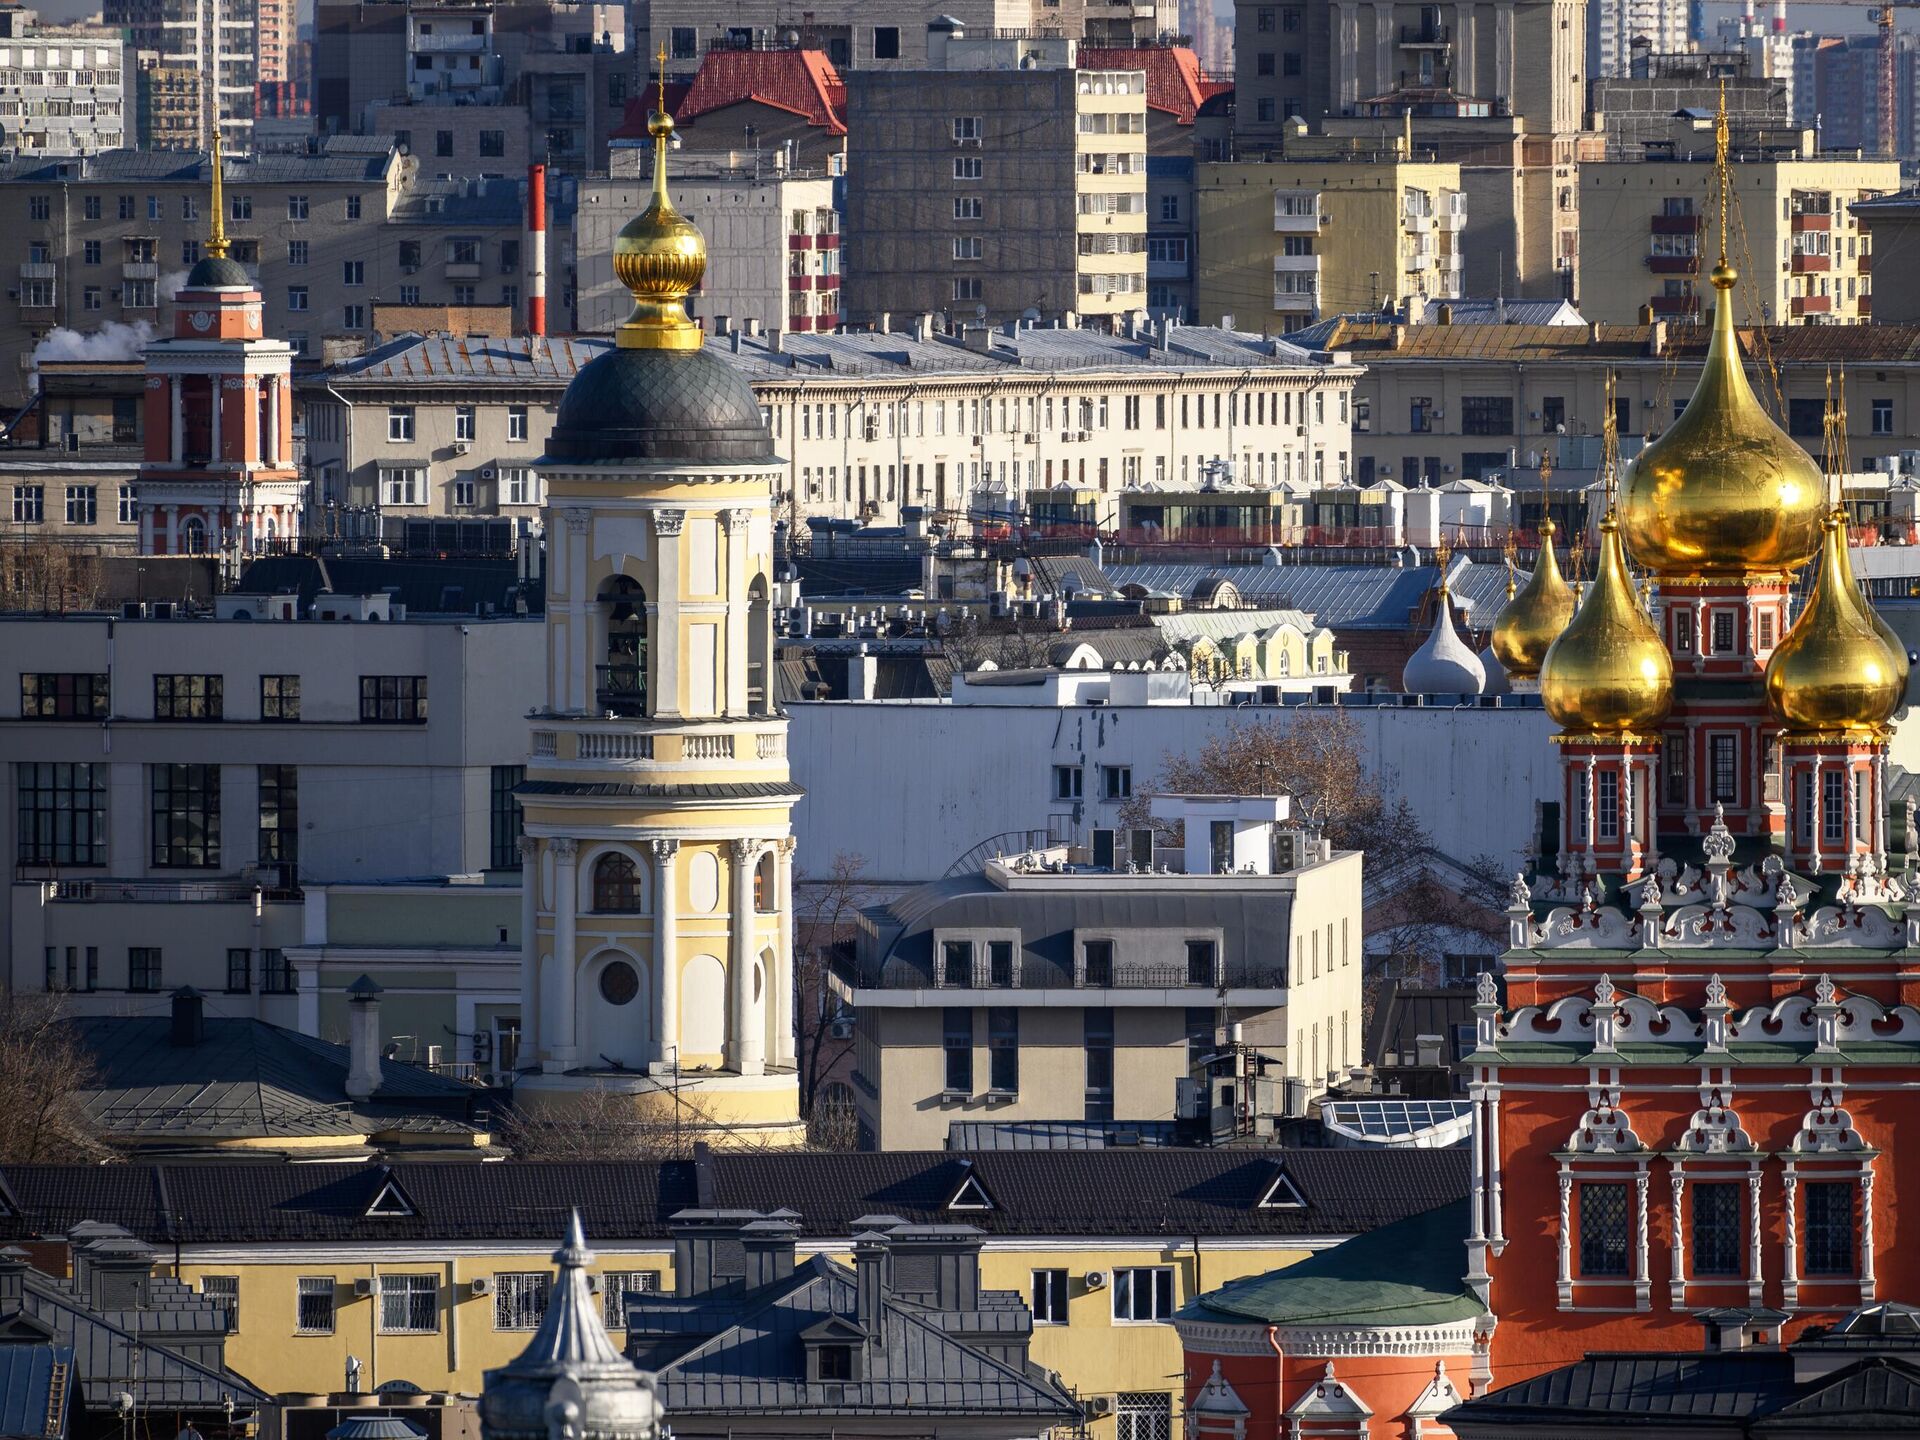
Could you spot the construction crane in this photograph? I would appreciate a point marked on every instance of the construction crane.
(1883, 17)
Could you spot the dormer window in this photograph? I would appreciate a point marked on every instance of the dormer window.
(836, 1362)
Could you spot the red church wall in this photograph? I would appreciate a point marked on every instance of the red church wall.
(1388, 1385)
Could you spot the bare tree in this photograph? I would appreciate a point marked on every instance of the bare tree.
(823, 928)
(43, 1070)
(608, 1124)
(41, 573)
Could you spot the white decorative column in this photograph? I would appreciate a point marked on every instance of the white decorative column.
(218, 385)
(1496, 1225)
(1565, 1277)
(1756, 1266)
(1790, 1274)
(1677, 1280)
(1642, 1257)
(560, 1049)
(177, 441)
(578, 674)
(1866, 1234)
(663, 638)
(783, 983)
(529, 945)
(735, 518)
(666, 960)
(746, 1036)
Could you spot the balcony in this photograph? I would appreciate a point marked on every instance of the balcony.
(1866, 262)
(1674, 264)
(1811, 305)
(140, 270)
(1677, 224)
(1309, 264)
(272, 882)
(450, 44)
(1424, 37)
(1809, 264)
(1808, 220)
(39, 270)
(1295, 302)
(1296, 212)
(1675, 304)
(1451, 213)
(901, 984)
(463, 270)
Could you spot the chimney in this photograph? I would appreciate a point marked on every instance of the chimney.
(753, 325)
(536, 250)
(1593, 333)
(863, 674)
(884, 325)
(936, 1265)
(1399, 338)
(871, 1262)
(1426, 1049)
(1646, 313)
(776, 341)
(1416, 308)
(1445, 315)
(13, 1279)
(1657, 338)
(363, 1039)
(767, 1246)
(189, 1018)
(977, 338)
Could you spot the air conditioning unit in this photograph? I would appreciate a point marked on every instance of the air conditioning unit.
(480, 1285)
(1300, 430)
(841, 1030)
(461, 447)
(1098, 1405)
(596, 1283)
(487, 472)
(976, 441)
(1094, 1279)
(1027, 439)
(1066, 435)
(365, 1285)
(1086, 434)
(161, 610)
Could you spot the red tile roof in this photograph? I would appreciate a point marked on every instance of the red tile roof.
(802, 82)
(1174, 82)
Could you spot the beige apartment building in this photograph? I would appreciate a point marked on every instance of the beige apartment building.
(1647, 235)
(1284, 242)
(328, 235)
(996, 194)
(1075, 985)
(865, 422)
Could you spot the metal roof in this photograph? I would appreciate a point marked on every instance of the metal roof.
(36, 1390)
(351, 163)
(1386, 597)
(1058, 1134)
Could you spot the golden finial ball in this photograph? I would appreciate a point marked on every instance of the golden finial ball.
(659, 124)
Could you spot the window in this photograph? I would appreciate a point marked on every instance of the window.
(1000, 964)
(517, 422)
(1723, 632)
(80, 696)
(409, 294)
(519, 486)
(186, 816)
(60, 813)
(403, 485)
(1421, 419)
(143, 969)
(966, 167)
(279, 697)
(296, 297)
(39, 207)
(886, 42)
(616, 885)
(956, 1039)
(400, 424)
(393, 699)
(313, 1313)
(493, 144)
(1683, 631)
(969, 207)
(504, 818)
(1097, 1044)
(29, 504)
(1763, 626)
(83, 504)
(409, 1304)
(968, 247)
(90, 208)
(1143, 1414)
(1049, 1297)
(90, 252)
(1716, 1229)
(187, 697)
(1202, 968)
(1603, 1228)
(353, 207)
(1829, 1227)
(239, 208)
(1067, 782)
(966, 129)
(1143, 1292)
(1116, 781)
(616, 1285)
(956, 963)
(1003, 1050)
(1606, 787)
(129, 505)
(354, 317)
(520, 1299)
(1833, 804)
(276, 975)
(279, 814)
(1723, 750)
(1486, 415)
(968, 288)
(1098, 962)
(226, 1290)
(463, 419)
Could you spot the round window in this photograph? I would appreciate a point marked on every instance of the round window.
(618, 983)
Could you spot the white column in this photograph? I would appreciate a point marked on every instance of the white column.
(735, 701)
(1496, 1225)
(1346, 50)
(580, 698)
(1866, 1233)
(213, 458)
(1566, 1240)
(666, 960)
(663, 640)
(1503, 53)
(1642, 1258)
(270, 437)
(783, 996)
(1790, 1275)
(178, 438)
(529, 944)
(1677, 1281)
(558, 1028)
(746, 1035)
(1756, 1266)
(1463, 50)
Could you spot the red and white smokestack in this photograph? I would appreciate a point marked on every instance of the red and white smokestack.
(1749, 27)
(1779, 17)
(536, 249)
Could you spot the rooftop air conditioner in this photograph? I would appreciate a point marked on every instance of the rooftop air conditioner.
(461, 447)
(481, 1285)
(365, 1285)
(1098, 1405)
(1094, 1279)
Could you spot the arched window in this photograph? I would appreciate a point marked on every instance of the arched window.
(616, 885)
(764, 897)
(193, 535)
(759, 647)
(622, 686)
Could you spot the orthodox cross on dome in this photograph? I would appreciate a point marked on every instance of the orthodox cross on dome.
(1721, 172)
(217, 233)
(662, 58)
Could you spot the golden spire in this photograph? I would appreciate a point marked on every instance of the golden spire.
(1531, 621)
(659, 256)
(1724, 492)
(1835, 420)
(1609, 672)
(1834, 674)
(217, 235)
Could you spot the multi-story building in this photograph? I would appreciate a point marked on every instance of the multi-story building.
(773, 260)
(1620, 31)
(166, 103)
(755, 108)
(996, 193)
(275, 41)
(1796, 234)
(865, 423)
(215, 39)
(1842, 95)
(1078, 985)
(323, 236)
(1284, 242)
(63, 88)
(1638, 106)
(863, 35)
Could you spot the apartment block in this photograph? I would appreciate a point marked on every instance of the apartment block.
(166, 103)
(63, 88)
(1647, 239)
(996, 193)
(1620, 32)
(1287, 241)
(216, 39)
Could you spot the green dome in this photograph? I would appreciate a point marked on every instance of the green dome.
(217, 272)
(634, 405)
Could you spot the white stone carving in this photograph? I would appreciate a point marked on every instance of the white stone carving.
(1605, 1128)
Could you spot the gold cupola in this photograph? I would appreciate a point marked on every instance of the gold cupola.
(1833, 674)
(1608, 673)
(1532, 620)
(1724, 492)
(659, 256)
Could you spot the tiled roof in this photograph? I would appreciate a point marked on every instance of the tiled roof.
(1118, 1192)
(1384, 597)
(1174, 82)
(802, 81)
(457, 360)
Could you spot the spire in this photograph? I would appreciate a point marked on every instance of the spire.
(660, 257)
(217, 234)
(1723, 175)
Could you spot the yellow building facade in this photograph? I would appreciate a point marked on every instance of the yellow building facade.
(657, 875)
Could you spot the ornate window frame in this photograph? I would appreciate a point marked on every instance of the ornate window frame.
(1828, 1147)
(1604, 1148)
(1716, 1148)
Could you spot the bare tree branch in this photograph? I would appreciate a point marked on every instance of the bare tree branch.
(43, 1067)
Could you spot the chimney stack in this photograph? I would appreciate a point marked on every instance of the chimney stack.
(536, 250)
(871, 1260)
(363, 1039)
(189, 1018)
(13, 1279)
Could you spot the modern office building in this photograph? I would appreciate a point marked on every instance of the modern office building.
(217, 40)
(64, 89)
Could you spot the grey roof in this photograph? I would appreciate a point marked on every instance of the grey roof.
(895, 947)
(470, 360)
(36, 1388)
(747, 1355)
(460, 202)
(1471, 310)
(1404, 1012)
(735, 790)
(247, 1078)
(1059, 1134)
(1383, 597)
(347, 165)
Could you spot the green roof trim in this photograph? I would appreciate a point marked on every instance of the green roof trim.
(1406, 1273)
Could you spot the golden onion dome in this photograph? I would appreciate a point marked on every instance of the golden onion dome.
(1725, 491)
(1833, 672)
(1895, 645)
(661, 258)
(1608, 673)
(1532, 620)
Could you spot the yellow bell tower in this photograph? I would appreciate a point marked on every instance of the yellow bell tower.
(657, 902)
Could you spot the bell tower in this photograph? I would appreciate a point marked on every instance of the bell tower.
(657, 913)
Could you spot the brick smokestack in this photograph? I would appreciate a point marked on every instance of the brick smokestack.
(536, 250)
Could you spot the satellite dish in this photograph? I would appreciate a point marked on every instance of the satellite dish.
(1031, 313)
(980, 311)
(793, 38)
